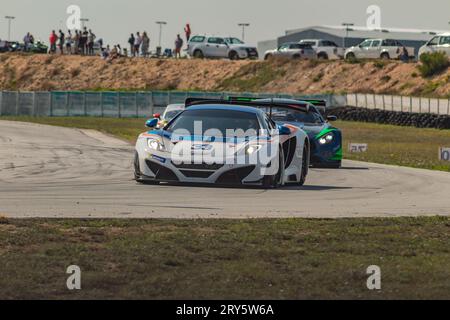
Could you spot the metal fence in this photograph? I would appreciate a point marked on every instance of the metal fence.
(117, 104)
(399, 103)
(144, 104)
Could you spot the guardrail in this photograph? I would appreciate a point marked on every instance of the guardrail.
(117, 104)
(145, 103)
(399, 103)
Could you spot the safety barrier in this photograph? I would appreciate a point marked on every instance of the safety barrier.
(399, 103)
(118, 104)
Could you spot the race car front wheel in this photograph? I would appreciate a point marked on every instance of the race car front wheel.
(275, 181)
(305, 166)
(138, 174)
(137, 170)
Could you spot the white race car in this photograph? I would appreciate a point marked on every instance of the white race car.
(223, 142)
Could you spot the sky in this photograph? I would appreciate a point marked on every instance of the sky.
(114, 20)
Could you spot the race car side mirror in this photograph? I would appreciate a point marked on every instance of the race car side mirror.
(152, 123)
(332, 118)
(284, 131)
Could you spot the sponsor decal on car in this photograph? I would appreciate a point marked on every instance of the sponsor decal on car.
(160, 159)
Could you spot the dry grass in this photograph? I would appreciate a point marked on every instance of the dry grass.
(218, 259)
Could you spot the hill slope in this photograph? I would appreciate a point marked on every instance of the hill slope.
(43, 72)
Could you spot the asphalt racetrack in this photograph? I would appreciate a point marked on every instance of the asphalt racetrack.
(49, 171)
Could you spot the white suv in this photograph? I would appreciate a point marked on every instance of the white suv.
(438, 43)
(220, 47)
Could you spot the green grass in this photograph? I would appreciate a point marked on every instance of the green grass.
(226, 259)
(405, 146)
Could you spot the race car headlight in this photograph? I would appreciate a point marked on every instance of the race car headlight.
(326, 138)
(252, 149)
(155, 145)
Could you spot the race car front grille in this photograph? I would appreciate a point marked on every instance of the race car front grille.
(197, 174)
(235, 176)
(198, 166)
(161, 172)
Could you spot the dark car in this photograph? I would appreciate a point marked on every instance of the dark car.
(37, 47)
(5, 46)
(326, 140)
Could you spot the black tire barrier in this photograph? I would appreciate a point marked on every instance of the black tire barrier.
(418, 120)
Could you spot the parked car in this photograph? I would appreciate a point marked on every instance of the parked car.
(220, 47)
(438, 43)
(37, 47)
(171, 112)
(378, 48)
(5, 46)
(325, 49)
(293, 50)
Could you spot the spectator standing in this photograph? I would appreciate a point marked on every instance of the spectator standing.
(27, 41)
(178, 46)
(53, 39)
(131, 43)
(145, 44)
(69, 40)
(188, 32)
(90, 42)
(76, 42)
(83, 41)
(62, 41)
(137, 43)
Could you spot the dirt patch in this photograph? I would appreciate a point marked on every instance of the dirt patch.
(43, 72)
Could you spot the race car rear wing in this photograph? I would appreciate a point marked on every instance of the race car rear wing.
(314, 102)
(298, 106)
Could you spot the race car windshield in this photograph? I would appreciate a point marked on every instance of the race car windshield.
(221, 120)
(284, 115)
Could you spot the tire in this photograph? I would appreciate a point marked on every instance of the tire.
(322, 56)
(198, 54)
(233, 55)
(138, 174)
(275, 181)
(137, 169)
(268, 57)
(350, 56)
(385, 56)
(305, 165)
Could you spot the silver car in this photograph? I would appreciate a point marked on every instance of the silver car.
(293, 50)
(220, 47)
(438, 43)
(378, 49)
